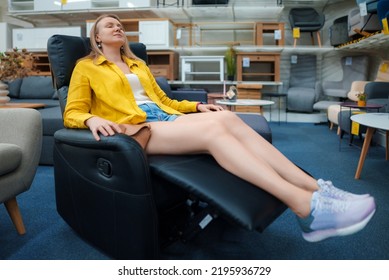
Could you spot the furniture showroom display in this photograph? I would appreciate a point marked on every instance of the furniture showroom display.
(128, 204)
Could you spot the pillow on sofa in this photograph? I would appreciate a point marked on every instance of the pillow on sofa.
(14, 88)
(39, 87)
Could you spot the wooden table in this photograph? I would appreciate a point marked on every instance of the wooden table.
(372, 121)
(10, 105)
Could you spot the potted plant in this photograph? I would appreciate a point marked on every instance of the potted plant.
(361, 99)
(230, 56)
(14, 64)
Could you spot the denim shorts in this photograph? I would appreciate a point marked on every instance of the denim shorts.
(156, 114)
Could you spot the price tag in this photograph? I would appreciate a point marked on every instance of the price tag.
(178, 34)
(293, 59)
(384, 67)
(363, 9)
(246, 62)
(277, 35)
(385, 26)
(296, 32)
(349, 61)
(355, 126)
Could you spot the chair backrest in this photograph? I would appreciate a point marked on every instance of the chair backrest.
(306, 18)
(355, 68)
(63, 53)
(303, 71)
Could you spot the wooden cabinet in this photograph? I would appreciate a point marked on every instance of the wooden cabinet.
(163, 64)
(258, 66)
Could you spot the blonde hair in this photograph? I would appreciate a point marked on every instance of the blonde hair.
(96, 51)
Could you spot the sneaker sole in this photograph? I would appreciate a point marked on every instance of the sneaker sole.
(320, 235)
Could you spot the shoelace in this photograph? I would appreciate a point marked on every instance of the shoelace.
(328, 188)
(328, 204)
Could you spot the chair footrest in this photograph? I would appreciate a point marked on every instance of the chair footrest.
(232, 197)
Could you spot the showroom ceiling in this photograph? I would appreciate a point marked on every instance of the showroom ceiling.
(236, 10)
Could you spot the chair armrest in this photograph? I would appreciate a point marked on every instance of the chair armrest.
(23, 128)
(111, 162)
(103, 191)
(318, 91)
(332, 85)
(334, 89)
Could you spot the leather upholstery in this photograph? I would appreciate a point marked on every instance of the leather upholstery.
(127, 203)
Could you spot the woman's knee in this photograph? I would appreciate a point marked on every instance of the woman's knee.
(214, 127)
(228, 118)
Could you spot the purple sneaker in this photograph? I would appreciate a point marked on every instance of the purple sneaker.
(329, 190)
(331, 217)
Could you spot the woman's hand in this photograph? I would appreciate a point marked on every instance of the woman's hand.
(99, 125)
(209, 108)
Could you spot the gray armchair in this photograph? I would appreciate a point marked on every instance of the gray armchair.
(20, 149)
(304, 89)
(308, 20)
(354, 68)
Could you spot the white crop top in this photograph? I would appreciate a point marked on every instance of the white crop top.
(138, 90)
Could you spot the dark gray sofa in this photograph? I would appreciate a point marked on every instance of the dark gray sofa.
(39, 89)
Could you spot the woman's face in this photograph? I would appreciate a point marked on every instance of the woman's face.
(109, 32)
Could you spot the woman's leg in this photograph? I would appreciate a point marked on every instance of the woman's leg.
(208, 136)
(258, 146)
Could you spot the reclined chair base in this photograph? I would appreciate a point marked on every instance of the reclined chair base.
(132, 217)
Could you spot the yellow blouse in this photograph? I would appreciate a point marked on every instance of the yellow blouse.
(100, 88)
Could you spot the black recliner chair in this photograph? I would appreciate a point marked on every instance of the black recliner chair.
(129, 204)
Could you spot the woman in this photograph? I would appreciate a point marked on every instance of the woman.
(111, 86)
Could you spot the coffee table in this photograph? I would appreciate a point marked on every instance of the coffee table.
(245, 102)
(354, 105)
(10, 105)
(372, 121)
